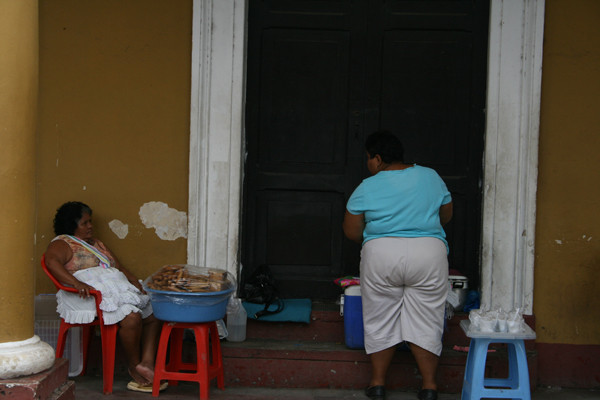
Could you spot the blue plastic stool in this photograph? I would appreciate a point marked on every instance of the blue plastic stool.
(477, 386)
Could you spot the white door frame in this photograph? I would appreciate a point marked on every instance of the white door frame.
(510, 164)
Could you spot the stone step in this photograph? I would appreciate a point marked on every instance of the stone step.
(64, 392)
(37, 386)
(299, 355)
(308, 364)
(327, 325)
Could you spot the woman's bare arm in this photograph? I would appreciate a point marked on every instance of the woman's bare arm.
(57, 256)
(354, 226)
(446, 213)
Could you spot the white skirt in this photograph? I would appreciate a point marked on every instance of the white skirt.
(404, 285)
(119, 298)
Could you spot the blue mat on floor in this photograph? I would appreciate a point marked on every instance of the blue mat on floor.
(295, 310)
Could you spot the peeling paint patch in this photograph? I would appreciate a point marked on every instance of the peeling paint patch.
(558, 241)
(119, 228)
(168, 223)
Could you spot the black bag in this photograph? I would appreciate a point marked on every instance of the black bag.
(261, 288)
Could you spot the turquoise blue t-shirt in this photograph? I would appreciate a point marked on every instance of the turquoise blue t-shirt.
(401, 203)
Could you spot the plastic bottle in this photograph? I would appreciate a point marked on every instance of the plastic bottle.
(236, 320)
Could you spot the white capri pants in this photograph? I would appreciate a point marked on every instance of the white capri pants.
(404, 285)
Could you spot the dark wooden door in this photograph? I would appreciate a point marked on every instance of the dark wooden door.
(321, 75)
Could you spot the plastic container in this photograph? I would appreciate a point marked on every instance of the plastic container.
(236, 321)
(189, 307)
(526, 333)
(460, 286)
(187, 293)
(353, 321)
(47, 325)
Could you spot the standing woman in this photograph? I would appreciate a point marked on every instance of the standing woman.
(78, 259)
(397, 214)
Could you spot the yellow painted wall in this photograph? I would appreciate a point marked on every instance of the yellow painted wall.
(114, 128)
(567, 266)
(114, 120)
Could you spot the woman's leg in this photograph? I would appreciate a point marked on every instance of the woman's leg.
(130, 334)
(424, 304)
(380, 362)
(381, 303)
(139, 338)
(150, 336)
(427, 363)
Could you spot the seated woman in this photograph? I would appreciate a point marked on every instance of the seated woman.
(78, 259)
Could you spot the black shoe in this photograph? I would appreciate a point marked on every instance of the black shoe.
(427, 394)
(375, 392)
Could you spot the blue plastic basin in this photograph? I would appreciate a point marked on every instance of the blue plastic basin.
(189, 307)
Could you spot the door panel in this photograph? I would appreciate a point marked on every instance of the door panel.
(297, 221)
(321, 76)
(425, 95)
(303, 101)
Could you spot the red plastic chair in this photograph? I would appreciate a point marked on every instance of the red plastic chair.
(108, 334)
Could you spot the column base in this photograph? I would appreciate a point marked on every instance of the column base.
(25, 357)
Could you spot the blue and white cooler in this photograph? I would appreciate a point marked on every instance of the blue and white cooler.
(353, 321)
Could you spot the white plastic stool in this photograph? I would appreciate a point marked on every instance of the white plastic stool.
(476, 386)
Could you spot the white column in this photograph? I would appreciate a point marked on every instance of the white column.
(511, 153)
(216, 124)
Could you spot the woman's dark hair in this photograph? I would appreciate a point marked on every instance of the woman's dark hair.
(68, 215)
(387, 145)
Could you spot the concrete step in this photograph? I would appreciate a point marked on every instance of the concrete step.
(327, 325)
(306, 364)
(64, 392)
(37, 386)
(299, 355)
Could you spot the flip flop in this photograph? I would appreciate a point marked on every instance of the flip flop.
(136, 387)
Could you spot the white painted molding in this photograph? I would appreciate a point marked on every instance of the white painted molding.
(215, 182)
(511, 153)
(199, 123)
(25, 357)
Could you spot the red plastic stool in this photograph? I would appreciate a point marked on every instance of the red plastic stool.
(209, 362)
